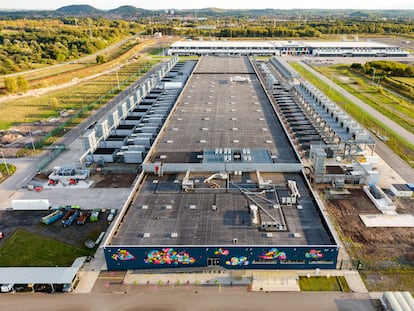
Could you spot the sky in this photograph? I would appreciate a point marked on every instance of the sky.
(232, 4)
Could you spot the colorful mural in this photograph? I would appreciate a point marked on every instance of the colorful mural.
(314, 254)
(123, 255)
(221, 251)
(237, 261)
(168, 256)
(272, 253)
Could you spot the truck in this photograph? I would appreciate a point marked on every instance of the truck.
(28, 205)
(70, 217)
(82, 218)
(95, 214)
(52, 217)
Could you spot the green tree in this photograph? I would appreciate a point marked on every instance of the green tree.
(54, 102)
(100, 59)
(22, 84)
(11, 84)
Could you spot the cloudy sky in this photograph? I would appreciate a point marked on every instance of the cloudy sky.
(182, 4)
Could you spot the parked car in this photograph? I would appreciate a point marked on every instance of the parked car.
(111, 215)
(95, 215)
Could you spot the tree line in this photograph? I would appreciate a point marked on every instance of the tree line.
(25, 44)
(385, 68)
(241, 27)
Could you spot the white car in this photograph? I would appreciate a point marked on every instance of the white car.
(111, 215)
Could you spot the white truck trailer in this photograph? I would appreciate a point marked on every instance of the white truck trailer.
(29, 205)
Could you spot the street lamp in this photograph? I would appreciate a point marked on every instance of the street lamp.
(32, 139)
(5, 163)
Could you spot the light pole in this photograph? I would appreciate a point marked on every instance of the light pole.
(117, 79)
(5, 163)
(32, 139)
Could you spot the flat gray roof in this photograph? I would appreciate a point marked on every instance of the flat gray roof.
(213, 112)
(162, 209)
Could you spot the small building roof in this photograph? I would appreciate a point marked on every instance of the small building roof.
(38, 275)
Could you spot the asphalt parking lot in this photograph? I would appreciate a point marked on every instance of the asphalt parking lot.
(74, 235)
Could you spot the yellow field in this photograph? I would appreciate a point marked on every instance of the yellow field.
(409, 81)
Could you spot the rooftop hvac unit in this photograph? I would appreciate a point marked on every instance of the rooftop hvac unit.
(361, 135)
(347, 123)
(293, 188)
(355, 128)
(253, 209)
(341, 116)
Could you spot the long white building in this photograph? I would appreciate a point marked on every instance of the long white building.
(316, 48)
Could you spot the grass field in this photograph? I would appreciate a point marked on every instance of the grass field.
(6, 169)
(389, 104)
(322, 283)
(35, 108)
(25, 249)
(409, 81)
(401, 147)
(46, 75)
(76, 97)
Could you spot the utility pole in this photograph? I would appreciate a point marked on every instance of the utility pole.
(5, 164)
(117, 79)
(32, 140)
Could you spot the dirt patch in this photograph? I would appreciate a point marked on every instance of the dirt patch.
(102, 180)
(377, 248)
(373, 244)
(21, 136)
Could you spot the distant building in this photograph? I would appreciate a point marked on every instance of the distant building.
(288, 47)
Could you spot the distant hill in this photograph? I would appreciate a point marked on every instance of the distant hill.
(129, 10)
(80, 9)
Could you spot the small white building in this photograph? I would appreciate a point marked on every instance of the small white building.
(401, 190)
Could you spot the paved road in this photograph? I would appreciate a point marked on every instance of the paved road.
(190, 298)
(395, 162)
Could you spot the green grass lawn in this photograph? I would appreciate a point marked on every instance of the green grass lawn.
(389, 104)
(324, 284)
(25, 249)
(6, 170)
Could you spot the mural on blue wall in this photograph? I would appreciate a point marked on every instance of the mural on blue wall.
(168, 256)
(272, 253)
(314, 254)
(123, 255)
(221, 251)
(237, 261)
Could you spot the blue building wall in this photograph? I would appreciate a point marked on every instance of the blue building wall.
(229, 257)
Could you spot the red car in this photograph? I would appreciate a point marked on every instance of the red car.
(1, 235)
